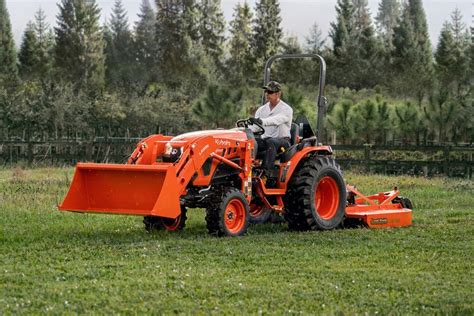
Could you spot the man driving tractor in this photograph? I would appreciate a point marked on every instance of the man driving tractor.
(276, 116)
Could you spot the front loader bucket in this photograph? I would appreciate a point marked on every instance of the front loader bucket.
(124, 189)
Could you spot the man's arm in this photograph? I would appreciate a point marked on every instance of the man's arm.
(284, 117)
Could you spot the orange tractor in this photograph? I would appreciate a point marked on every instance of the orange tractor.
(219, 170)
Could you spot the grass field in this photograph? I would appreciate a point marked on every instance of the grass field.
(54, 262)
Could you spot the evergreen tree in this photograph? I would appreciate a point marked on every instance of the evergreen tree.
(217, 108)
(240, 61)
(173, 41)
(267, 32)
(292, 71)
(119, 55)
(364, 117)
(412, 58)
(8, 59)
(440, 115)
(386, 19)
(444, 56)
(367, 63)
(315, 41)
(145, 43)
(340, 121)
(79, 44)
(212, 28)
(45, 37)
(341, 30)
(29, 53)
(36, 49)
(355, 48)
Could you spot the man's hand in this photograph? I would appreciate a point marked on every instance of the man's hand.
(255, 120)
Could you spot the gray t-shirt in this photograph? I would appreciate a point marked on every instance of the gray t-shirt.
(277, 122)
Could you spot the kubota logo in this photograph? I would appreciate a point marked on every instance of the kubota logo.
(222, 142)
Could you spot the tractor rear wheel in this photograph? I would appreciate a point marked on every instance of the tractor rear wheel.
(316, 195)
(258, 213)
(163, 223)
(228, 214)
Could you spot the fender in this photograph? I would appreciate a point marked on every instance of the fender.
(295, 161)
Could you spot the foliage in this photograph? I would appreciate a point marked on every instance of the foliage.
(153, 76)
(218, 107)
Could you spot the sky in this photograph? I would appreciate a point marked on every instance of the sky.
(297, 15)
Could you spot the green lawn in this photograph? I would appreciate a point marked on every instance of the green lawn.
(55, 262)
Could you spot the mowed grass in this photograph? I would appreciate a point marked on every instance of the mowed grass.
(55, 262)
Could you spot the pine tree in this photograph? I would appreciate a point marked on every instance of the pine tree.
(412, 58)
(292, 71)
(173, 41)
(340, 121)
(212, 28)
(8, 59)
(444, 56)
(240, 61)
(267, 32)
(341, 30)
(315, 41)
(29, 53)
(145, 43)
(79, 44)
(367, 63)
(364, 117)
(356, 51)
(119, 55)
(386, 19)
(45, 37)
(217, 108)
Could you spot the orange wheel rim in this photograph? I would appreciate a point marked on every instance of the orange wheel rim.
(234, 216)
(171, 224)
(326, 198)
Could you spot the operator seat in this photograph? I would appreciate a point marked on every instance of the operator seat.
(294, 133)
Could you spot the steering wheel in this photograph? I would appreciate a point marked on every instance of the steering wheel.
(246, 122)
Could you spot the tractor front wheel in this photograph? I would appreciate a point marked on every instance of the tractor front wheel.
(228, 214)
(316, 196)
(163, 223)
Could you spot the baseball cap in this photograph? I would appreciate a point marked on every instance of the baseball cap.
(273, 86)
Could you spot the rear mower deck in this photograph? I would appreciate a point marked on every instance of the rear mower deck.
(382, 210)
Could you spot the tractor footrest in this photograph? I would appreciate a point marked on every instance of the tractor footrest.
(382, 218)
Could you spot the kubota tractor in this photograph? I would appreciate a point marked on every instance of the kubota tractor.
(219, 170)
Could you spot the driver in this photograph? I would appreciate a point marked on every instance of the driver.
(276, 116)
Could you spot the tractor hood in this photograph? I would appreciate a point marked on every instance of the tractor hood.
(236, 134)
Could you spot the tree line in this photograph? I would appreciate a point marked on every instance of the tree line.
(181, 67)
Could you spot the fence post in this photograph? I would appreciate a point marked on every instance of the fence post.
(446, 161)
(367, 157)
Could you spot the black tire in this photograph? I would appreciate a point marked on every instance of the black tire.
(405, 202)
(259, 214)
(228, 214)
(316, 196)
(153, 223)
